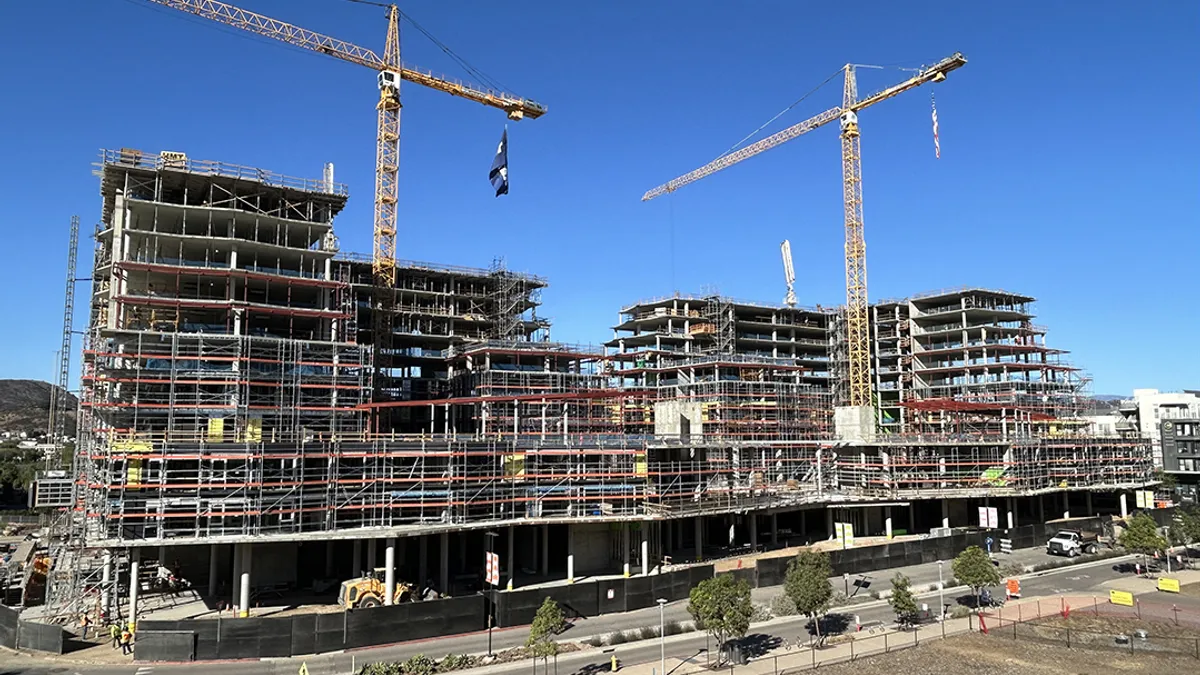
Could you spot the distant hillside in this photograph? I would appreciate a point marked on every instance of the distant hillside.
(25, 406)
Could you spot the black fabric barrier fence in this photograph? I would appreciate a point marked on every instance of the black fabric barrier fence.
(40, 637)
(8, 627)
(165, 646)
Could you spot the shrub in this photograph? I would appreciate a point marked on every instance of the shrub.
(875, 595)
(838, 598)
(456, 662)
(647, 632)
(674, 628)
(419, 664)
(959, 611)
(617, 638)
(760, 613)
(381, 669)
(782, 605)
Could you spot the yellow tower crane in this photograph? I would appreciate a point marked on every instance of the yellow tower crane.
(856, 250)
(387, 140)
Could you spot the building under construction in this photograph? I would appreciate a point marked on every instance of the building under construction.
(244, 422)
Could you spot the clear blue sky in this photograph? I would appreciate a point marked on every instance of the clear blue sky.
(1069, 165)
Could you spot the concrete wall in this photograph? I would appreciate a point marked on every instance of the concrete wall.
(669, 416)
(592, 547)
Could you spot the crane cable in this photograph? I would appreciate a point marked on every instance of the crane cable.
(781, 114)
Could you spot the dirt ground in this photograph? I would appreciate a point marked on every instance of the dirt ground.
(1192, 590)
(973, 654)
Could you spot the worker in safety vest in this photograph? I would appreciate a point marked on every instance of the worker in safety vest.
(115, 634)
(126, 642)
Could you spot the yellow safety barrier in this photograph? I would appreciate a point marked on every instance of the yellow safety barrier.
(1168, 585)
(1121, 598)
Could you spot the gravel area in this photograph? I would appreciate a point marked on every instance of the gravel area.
(995, 655)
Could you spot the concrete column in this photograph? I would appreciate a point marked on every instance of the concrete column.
(462, 552)
(162, 557)
(389, 571)
(422, 560)
(134, 585)
(829, 522)
(1012, 512)
(1041, 509)
(328, 559)
(106, 583)
(679, 536)
(545, 550)
(570, 555)
(887, 521)
(666, 541)
(511, 561)
(1089, 512)
(699, 521)
(372, 555)
(645, 560)
(235, 579)
(1124, 506)
(625, 549)
(912, 518)
(357, 559)
(444, 552)
(774, 529)
(247, 572)
(945, 513)
(213, 551)
(752, 520)
(1066, 504)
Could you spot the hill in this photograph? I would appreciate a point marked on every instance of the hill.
(25, 406)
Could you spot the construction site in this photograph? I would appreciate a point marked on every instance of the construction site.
(262, 411)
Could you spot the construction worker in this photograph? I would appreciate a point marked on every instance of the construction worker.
(115, 634)
(84, 624)
(126, 641)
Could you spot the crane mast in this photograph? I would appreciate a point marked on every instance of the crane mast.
(789, 273)
(857, 327)
(391, 71)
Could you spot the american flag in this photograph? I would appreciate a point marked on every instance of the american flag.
(937, 147)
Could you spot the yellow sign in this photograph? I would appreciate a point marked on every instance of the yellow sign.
(216, 430)
(304, 668)
(1121, 598)
(1168, 585)
(132, 446)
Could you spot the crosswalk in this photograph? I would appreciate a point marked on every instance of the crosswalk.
(145, 670)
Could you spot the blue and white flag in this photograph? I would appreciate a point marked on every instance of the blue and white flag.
(499, 173)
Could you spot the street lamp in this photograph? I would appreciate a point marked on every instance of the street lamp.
(491, 537)
(662, 636)
(941, 593)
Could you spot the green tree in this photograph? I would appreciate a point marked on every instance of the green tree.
(807, 584)
(974, 568)
(903, 603)
(721, 606)
(1165, 480)
(545, 627)
(1141, 536)
(1186, 528)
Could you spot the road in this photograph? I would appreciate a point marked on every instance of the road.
(1075, 579)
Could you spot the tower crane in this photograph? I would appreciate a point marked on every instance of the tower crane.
(856, 253)
(391, 71)
(789, 273)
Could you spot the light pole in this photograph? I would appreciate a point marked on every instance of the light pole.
(491, 537)
(662, 636)
(941, 593)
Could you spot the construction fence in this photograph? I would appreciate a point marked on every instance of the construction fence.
(1079, 622)
(181, 641)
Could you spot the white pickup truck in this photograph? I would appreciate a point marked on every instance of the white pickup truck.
(1072, 542)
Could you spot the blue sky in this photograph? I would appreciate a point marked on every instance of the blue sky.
(1069, 165)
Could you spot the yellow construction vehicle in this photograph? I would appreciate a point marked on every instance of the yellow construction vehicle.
(369, 591)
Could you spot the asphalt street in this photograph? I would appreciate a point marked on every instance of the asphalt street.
(1074, 579)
